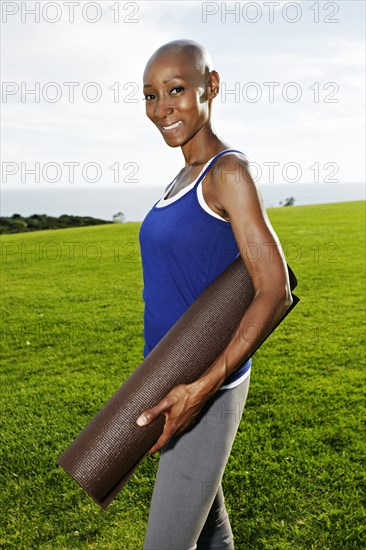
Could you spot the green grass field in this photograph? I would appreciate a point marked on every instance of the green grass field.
(72, 332)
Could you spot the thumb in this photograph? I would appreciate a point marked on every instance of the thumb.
(144, 418)
(149, 415)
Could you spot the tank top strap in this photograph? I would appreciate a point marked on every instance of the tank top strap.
(212, 162)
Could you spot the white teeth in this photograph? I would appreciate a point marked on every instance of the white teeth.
(175, 125)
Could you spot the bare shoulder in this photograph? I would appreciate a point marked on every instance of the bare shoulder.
(231, 160)
(231, 178)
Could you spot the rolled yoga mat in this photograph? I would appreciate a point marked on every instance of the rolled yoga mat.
(107, 452)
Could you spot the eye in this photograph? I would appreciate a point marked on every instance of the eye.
(149, 97)
(177, 89)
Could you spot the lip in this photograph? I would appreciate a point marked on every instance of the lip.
(171, 127)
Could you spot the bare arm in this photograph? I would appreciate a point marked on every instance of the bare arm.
(262, 254)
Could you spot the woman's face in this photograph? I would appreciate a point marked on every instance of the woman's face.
(176, 100)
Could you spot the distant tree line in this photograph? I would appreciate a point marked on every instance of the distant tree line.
(290, 201)
(18, 224)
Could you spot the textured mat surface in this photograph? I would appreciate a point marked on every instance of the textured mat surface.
(107, 452)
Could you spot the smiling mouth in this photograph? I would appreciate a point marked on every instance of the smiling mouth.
(172, 126)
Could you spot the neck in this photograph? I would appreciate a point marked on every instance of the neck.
(202, 146)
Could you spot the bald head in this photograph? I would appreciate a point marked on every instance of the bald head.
(178, 78)
(192, 52)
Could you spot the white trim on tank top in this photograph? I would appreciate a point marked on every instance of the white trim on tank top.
(204, 204)
(164, 202)
(236, 382)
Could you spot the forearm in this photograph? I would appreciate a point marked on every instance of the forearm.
(260, 318)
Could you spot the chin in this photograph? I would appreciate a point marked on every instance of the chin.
(173, 144)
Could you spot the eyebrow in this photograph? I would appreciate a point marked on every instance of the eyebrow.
(165, 81)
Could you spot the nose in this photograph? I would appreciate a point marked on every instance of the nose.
(163, 107)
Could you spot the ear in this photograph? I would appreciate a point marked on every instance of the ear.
(213, 84)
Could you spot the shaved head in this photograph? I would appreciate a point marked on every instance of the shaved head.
(195, 53)
(179, 87)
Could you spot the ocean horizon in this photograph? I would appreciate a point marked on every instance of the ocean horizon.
(134, 203)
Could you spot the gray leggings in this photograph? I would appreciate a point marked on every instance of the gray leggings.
(187, 510)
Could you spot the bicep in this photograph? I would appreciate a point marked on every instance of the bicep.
(257, 241)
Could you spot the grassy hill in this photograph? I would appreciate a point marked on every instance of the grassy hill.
(72, 332)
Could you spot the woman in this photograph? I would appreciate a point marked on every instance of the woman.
(209, 214)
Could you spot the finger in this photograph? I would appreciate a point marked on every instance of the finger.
(151, 414)
(161, 442)
(145, 417)
(153, 450)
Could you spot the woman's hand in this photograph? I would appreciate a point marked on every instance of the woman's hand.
(180, 407)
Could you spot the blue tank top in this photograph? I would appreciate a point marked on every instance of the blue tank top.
(184, 246)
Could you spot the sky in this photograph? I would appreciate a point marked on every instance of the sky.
(292, 93)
